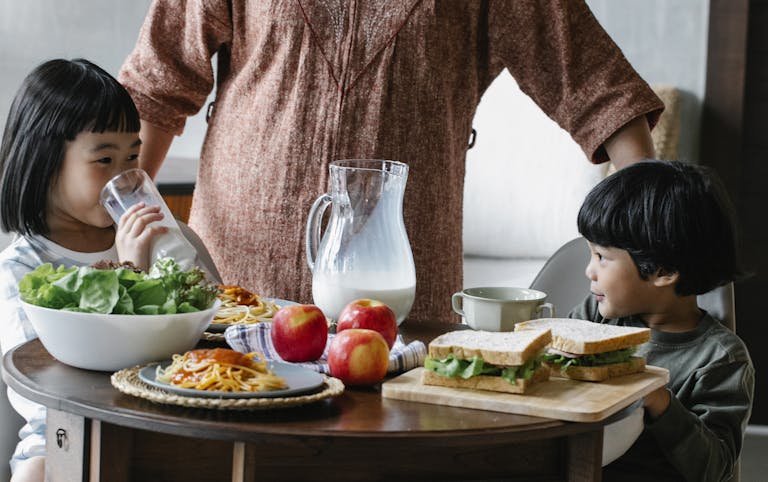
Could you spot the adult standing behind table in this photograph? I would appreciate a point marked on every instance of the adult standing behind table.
(301, 83)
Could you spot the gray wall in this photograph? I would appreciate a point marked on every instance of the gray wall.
(103, 31)
(666, 41)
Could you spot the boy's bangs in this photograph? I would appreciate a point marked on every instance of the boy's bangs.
(607, 226)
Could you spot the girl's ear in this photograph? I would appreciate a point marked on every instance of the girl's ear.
(664, 278)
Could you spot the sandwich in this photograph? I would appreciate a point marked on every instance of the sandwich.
(497, 361)
(594, 352)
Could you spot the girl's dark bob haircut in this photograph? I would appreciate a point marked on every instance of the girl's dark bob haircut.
(670, 216)
(57, 101)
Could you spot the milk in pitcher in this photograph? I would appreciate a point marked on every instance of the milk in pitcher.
(332, 293)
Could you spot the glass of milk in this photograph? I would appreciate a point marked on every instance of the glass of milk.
(134, 186)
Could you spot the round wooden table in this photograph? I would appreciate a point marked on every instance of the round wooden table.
(97, 433)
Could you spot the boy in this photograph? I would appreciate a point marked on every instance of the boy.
(661, 233)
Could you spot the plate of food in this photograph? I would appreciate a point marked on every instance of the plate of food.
(225, 373)
(242, 307)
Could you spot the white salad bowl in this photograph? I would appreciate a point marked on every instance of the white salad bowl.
(96, 341)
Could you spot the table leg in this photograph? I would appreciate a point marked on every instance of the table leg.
(111, 452)
(585, 456)
(243, 463)
(67, 446)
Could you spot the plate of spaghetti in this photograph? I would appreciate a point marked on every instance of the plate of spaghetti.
(242, 307)
(225, 373)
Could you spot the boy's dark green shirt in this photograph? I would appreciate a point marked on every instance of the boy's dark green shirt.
(699, 437)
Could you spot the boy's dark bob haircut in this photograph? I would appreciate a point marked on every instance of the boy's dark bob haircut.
(669, 216)
(57, 101)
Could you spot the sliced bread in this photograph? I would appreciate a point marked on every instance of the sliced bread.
(483, 382)
(583, 337)
(496, 348)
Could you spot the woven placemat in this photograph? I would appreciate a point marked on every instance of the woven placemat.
(127, 381)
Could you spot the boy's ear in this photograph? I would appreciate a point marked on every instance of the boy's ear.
(664, 278)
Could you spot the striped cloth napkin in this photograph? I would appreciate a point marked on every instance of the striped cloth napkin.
(248, 338)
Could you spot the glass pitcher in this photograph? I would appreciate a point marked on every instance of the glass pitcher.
(364, 251)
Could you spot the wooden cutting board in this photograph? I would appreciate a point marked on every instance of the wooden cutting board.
(558, 398)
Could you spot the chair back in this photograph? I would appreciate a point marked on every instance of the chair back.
(562, 278)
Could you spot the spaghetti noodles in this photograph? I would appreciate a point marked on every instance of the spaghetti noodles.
(220, 369)
(240, 306)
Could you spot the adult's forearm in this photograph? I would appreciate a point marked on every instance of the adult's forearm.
(155, 143)
(631, 143)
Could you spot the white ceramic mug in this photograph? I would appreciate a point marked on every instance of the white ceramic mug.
(500, 308)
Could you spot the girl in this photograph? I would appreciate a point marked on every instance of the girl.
(71, 128)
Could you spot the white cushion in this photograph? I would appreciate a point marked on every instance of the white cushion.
(526, 178)
(514, 272)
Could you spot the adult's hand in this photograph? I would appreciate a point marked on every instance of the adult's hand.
(155, 143)
(630, 144)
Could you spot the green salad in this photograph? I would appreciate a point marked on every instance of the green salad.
(166, 289)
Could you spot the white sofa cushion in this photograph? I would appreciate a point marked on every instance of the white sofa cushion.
(517, 272)
(525, 181)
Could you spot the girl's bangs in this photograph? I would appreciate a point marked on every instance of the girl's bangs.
(113, 111)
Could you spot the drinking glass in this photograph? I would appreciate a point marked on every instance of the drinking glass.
(135, 186)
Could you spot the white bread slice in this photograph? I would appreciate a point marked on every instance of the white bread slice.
(583, 337)
(598, 374)
(484, 382)
(497, 348)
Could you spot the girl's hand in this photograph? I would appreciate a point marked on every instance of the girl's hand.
(135, 232)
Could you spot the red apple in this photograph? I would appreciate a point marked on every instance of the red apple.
(372, 315)
(299, 332)
(358, 356)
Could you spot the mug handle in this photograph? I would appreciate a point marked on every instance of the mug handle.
(545, 306)
(458, 296)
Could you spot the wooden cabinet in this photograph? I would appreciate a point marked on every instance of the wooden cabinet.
(178, 197)
(179, 205)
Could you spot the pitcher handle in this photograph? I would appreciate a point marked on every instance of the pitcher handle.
(313, 227)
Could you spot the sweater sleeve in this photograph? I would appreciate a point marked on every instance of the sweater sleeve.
(15, 328)
(563, 59)
(703, 442)
(169, 74)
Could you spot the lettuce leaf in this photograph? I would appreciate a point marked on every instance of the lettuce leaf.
(98, 290)
(452, 367)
